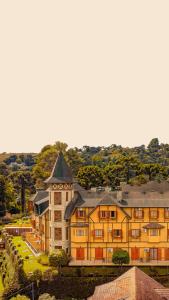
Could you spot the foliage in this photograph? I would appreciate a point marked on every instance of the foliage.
(120, 257)
(46, 297)
(43, 260)
(58, 258)
(20, 297)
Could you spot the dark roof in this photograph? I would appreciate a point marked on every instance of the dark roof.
(133, 284)
(40, 195)
(61, 172)
(153, 225)
(41, 208)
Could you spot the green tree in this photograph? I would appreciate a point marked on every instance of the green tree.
(120, 257)
(58, 259)
(90, 176)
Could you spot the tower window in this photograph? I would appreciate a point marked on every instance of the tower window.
(58, 234)
(67, 196)
(57, 216)
(57, 198)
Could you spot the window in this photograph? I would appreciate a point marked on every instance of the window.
(117, 233)
(153, 214)
(103, 214)
(135, 233)
(67, 233)
(57, 198)
(112, 214)
(98, 232)
(80, 232)
(57, 216)
(67, 196)
(138, 213)
(107, 214)
(50, 232)
(154, 232)
(58, 247)
(81, 213)
(166, 212)
(58, 234)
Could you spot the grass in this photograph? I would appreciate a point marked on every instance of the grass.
(1, 287)
(31, 264)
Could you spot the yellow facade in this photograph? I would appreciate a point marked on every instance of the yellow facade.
(96, 233)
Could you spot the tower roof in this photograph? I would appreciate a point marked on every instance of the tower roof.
(134, 285)
(61, 172)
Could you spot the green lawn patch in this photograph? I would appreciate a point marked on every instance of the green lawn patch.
(30, 260)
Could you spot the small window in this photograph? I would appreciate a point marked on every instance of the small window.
(112, 214)
(153, 214)
(67, 233)
(81, 213)
(57, 198)
(103, 214)
(154, 232)
(135, 233)
(80, 232)
(138, 213)
(57, 216)
(58, 234)
(166, 212)
(117, 233)
(98, 232)
(67, 196)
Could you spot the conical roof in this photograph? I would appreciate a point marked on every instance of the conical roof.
(61, 172)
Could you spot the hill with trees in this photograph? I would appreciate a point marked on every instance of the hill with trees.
(92, 167)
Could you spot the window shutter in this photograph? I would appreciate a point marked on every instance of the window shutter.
(108, 214)
(120, 233)
(167, 233)
(93, 233)
(130, 232)
(102, 232)
(99, 214)
(159, 253)
(142, 213)
(77, 214)
(157, 213)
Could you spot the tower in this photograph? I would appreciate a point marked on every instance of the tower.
(60, 186)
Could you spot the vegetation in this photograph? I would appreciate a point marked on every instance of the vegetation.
(20, 297)
(46, 297)
(92, 166)
(120, 257)
(58, 259)
(30, 264)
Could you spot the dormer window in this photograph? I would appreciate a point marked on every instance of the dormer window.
(139, 213)
(154, 214)
(80, 213)
(166, 212)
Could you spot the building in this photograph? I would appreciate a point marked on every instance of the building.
(132, 285)
(91, 225)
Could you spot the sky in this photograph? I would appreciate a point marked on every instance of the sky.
(83, 72)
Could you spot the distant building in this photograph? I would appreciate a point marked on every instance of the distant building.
(91, 225)
(132, 285)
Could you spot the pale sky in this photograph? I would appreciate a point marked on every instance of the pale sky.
(83, 72)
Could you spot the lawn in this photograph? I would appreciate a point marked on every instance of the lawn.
(30, 264)
(1, 287)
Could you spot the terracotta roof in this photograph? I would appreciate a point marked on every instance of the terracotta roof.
(133, 285)
(61, 172)
(153, 225)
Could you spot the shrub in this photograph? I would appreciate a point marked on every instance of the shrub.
(58, 258)
(20, 297)
(120, 257)
(43, 260)
(46, 297)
